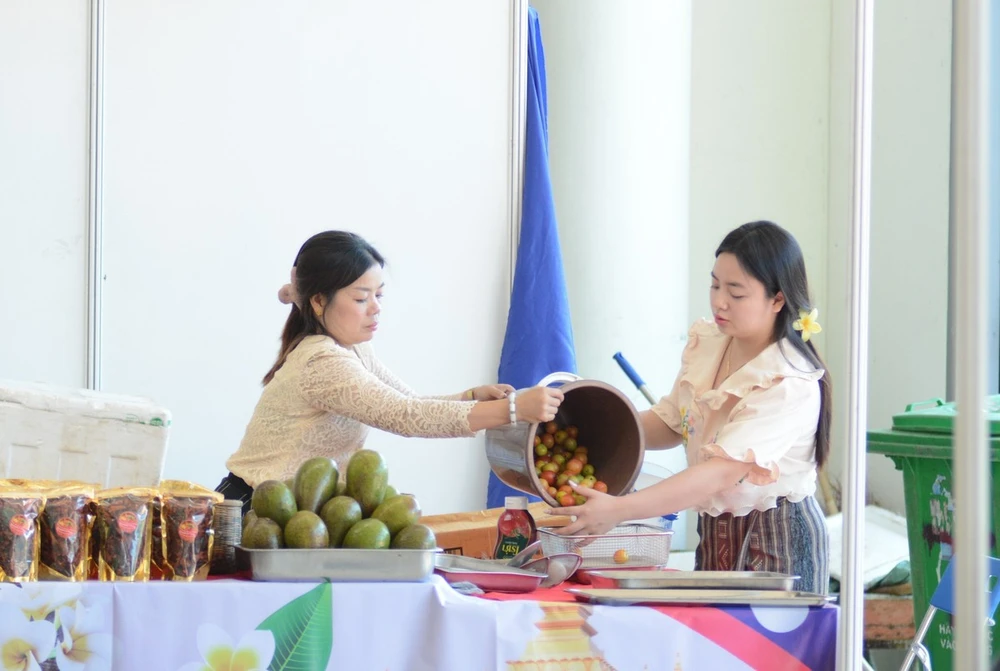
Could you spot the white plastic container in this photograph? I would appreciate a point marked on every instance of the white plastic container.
(650, 474)
(57, 433)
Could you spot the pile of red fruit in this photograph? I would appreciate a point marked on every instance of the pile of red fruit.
(559, 460)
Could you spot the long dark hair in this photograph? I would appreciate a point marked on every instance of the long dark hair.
(326, 263)
(771, 255)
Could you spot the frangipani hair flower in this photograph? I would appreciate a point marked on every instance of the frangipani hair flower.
(807, 324)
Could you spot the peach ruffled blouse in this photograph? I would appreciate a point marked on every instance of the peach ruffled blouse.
(764, 414)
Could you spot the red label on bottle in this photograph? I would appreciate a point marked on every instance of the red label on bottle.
(515, 531)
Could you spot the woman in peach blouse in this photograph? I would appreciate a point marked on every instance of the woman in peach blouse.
(751, 405)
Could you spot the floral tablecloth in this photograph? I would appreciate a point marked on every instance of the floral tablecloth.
(235, 625)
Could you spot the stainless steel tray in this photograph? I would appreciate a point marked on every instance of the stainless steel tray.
(634, 565)
(754, 580)
(698, 597)
(340, 565)
(488, 575)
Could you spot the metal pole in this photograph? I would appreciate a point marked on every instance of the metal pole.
(851, 631)
(970, 135)
(518, 123)
(95, 214)
(917, 650)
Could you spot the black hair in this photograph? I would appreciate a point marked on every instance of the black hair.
(772, 256)
(326, 263)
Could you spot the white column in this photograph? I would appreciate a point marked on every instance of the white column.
(619, 96)
(970, 194)
(851, 629)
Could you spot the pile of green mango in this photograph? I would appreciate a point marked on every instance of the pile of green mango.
(319, 509)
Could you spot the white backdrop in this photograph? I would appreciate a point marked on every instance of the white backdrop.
(229, 143)
(233, 131)
(43, 190)
(619, 105)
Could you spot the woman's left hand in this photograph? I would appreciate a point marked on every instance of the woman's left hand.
(491, 392)
(599, 515)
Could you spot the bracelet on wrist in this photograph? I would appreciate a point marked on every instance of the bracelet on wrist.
(512, 406)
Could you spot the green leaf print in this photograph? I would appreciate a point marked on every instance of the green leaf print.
(303, 631)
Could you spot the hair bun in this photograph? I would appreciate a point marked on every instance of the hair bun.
(287, 293)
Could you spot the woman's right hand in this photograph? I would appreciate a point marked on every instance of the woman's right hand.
(538, 404)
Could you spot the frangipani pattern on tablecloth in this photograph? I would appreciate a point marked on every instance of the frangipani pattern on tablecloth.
(24, 643)
(253, 652)
(299, 635)
(54, 627)
(160, 627)
(84, 644)
(40, 600)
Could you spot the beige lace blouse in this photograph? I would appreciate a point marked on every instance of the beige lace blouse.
(323, 400)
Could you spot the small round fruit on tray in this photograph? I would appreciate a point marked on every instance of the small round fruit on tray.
(560, 459)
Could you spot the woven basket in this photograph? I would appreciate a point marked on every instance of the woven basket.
(227, 525)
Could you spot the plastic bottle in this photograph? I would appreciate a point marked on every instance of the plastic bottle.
(515, 528)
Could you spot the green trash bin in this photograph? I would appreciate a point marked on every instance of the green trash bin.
(920, 445)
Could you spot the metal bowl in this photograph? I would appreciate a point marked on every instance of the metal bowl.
(558, 568)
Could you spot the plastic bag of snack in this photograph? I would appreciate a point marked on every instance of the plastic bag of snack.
(124, 523)
(65, 528)
(20, 507)
(186, 515)
(156, 540)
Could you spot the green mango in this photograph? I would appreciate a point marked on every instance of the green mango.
(340, 514)
(415, 537)
(306, 531)
(367, 479)
(398, 512)
(274, 500)
(263, 534)
(315, 483)
(368, 534)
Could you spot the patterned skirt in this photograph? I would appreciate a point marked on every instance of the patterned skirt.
(791, 538)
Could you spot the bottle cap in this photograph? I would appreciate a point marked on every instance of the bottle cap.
(515, 502)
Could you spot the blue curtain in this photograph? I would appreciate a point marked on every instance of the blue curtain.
(539, 336)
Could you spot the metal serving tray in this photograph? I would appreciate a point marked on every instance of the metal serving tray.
(487, 575)
(634, 565)
(340, 565)
(698, 597)
(753, 580)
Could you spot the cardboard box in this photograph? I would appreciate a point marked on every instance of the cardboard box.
(475, 534)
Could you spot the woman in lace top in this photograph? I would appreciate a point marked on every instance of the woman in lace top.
(327, 388)
(751, 405)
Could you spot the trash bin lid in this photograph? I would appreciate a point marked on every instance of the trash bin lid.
(936, 416)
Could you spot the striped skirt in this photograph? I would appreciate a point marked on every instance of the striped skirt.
(791, 538)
